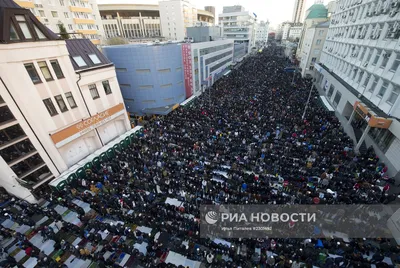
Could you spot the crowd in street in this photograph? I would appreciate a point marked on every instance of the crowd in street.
(243, 141)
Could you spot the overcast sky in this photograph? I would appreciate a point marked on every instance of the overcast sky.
(276, 11)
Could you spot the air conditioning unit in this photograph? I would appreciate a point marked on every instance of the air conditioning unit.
(365, 64)
(369, 13)
(377, 12)
(393, 13)
(395, 4)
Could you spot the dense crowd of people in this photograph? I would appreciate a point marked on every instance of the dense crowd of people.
(243, 141)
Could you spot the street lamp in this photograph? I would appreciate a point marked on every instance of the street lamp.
(308, 100)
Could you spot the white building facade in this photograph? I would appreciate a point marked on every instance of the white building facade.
(210, 61)
(295, 31)
(239, 25)
(298, 11)
(80, 17)
(285, 30)
(313, 43)
(261, 31)
(71, 104)
(360, 73)
(175, 16)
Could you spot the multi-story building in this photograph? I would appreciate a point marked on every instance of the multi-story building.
(210, 9)
(295, 31)
(80, 18)
(69, 107)
(239, 25)
(261, 32)
(298, 11)
(316, 14)
(360, 74)
(175, 16)
(209, 62)
(155, 78)
(138, 21)
(285, 28)
(151, 77)
(130, 21)
(204, 33)
(313, 43)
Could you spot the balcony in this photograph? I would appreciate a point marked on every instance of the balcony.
(87, 31)
(25, 4)
(80, 9)
(84, 21)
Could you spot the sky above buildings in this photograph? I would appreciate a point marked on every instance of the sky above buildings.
(276, 11)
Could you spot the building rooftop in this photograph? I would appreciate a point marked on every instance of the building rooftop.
(317, 11)
(85, 55)
(12, 16)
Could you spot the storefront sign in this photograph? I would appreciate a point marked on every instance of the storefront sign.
(77, 130)
(372, 120)
(187, 67)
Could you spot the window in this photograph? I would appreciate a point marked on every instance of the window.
(143, 70)
(71, 100)
(50, 107)
(373, 86)
(393, 95)
(13, 33)
(164, 70)
(66, 15)
(360, 77)
(385, 60)
(337, 98)
(330, 92)
(94, 58)
(24, 26)
(314, 59)
(41, 12)
(32, 73)
(57, 69)
(39, 33)
(318, 42)
(395, 64)
(45, 70)
(70, 27)
(146, 86)
(106, 86)
(54, 14)
(378, 55)
(166, 85)
(93, 91)
(79, 61)
(61, 2)
(311, 68)
(321, 32)
(383, 89)
(61, 103)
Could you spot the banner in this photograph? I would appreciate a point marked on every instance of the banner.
(187, 68)
(299, 221)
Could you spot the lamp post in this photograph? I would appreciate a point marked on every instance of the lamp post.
(308, 100)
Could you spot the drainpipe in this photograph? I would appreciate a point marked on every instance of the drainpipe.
(87, 108)
(29, 125)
